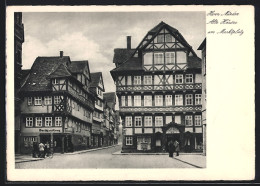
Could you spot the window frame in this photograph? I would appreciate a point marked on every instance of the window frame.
(148, 100)
(139, 120)
(162, 37)
(168, 102)
(49, 121)
(148, 80)
(38, 119)
(178, 77)
(188, 120)
(48, 100)
(128, 140)
(156, 119)
(129, 100)
(137, 80)
(167, 34)
(137, 100)
(178, 101)
(156, 59)
(198, 99)
(156, 100)
(189, 97)
(148, 121)
(169, 60)
(58, 119)
(123, 101)
(197, 120)
(29, 101)
(37, 100)
(189, 77)
(128, 121)
(27, 120)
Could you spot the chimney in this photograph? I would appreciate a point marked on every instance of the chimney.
(128, 38)
(61, 53)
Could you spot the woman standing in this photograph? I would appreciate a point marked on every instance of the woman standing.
(177, 147)
(170, 149)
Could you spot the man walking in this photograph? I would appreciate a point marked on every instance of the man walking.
(177, 147)
(41, 149)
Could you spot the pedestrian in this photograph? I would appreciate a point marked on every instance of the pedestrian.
(177, 147)
(35, 149)
(46, 149)
(171, 149)
(41, 149)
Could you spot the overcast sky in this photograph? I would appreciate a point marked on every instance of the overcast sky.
(93, 36)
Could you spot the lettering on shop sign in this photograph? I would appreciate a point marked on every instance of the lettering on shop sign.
(50, 130)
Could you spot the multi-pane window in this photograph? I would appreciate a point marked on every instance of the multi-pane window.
(147, 100)
(128, 121)
(148, 121)
(158, 121)
(178, 99)
(58, 121)
(178, 78)
(38, 100)
(188, 120)
(29, 122)
(168, 38)
(29, 100)
(147, 80)
(129, 101)
(47, 100)
(189, 78)
(56, 81)
(29, 138)
(48, 121)
(137, 100)
(168, 100)
(160, 38)
(158, 58)
(197, 99)
(137, 80)
(122, 101)
(129, 140)
(158, 100)
(197, 121)
(138, 121)
(38, 121)
(169, 57)
(188, 98)
(57, 99)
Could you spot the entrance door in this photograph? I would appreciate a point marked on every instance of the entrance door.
(44, 138)
(172, 137)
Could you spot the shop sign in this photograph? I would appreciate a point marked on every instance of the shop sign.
(50, 130)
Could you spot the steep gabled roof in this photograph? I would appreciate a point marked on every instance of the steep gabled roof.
(122, 54)
(61, 71)
(202, 45)
(42, 67)
(194, 62)
(132, 64)
(78, 66)
(95, 78)
(110, 99)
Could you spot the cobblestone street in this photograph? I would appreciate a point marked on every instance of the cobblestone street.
(104, 158)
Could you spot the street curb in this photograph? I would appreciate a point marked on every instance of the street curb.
(29, 160)
(119, 153)
(90, 150)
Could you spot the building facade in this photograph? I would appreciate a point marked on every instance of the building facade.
(97, 86)
(158, 85)
(57, 104)
(202, 47)
(18, 41)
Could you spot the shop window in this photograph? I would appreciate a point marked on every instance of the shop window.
(29, 122)
(189, 78)
(188, 120)
(38, 100)
(178, 78)
(48, 121)
(129, 140)
(197, 99)
(189, 100)
(147, 100)
(128, 121)
(158, 121)
(58, 121)
(48, 100)
(138, 121)
(38, 121)
(148, 121)
(29, 101)
(143, 143)
(197, 120)
(178, 99)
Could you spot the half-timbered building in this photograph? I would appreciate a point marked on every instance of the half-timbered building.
(57, 104)
(97, 86)
(158, 85)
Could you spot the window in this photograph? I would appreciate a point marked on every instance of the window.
(56, 81)
(147, 100)
(129, 101)
(48, 121)
(189, 78)
(158, 100)
(29, 100)
(178, 99)
(47, 100)
(197, 99)
(198, 120)
(160, 38)
(179, 79)
(189, 99)
(29, 122)
(129, 80)
(158, 121)
(38, 100)
(147, 80)
(137, 100)
(148, 121)
(128, 121)
(168, 100)
(170, 56)
(168, 38)
(188, 120)
(29, 138)
(122, 101)
(129, 140)
(138, 121)
(137, 80)
(58, 121)
(38, 121)
(57, 99)
(158, 58)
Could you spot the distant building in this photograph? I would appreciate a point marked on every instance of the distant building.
(97, 86)
(57, 104)
(202, 47)
(158, 85)
(18, 41)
